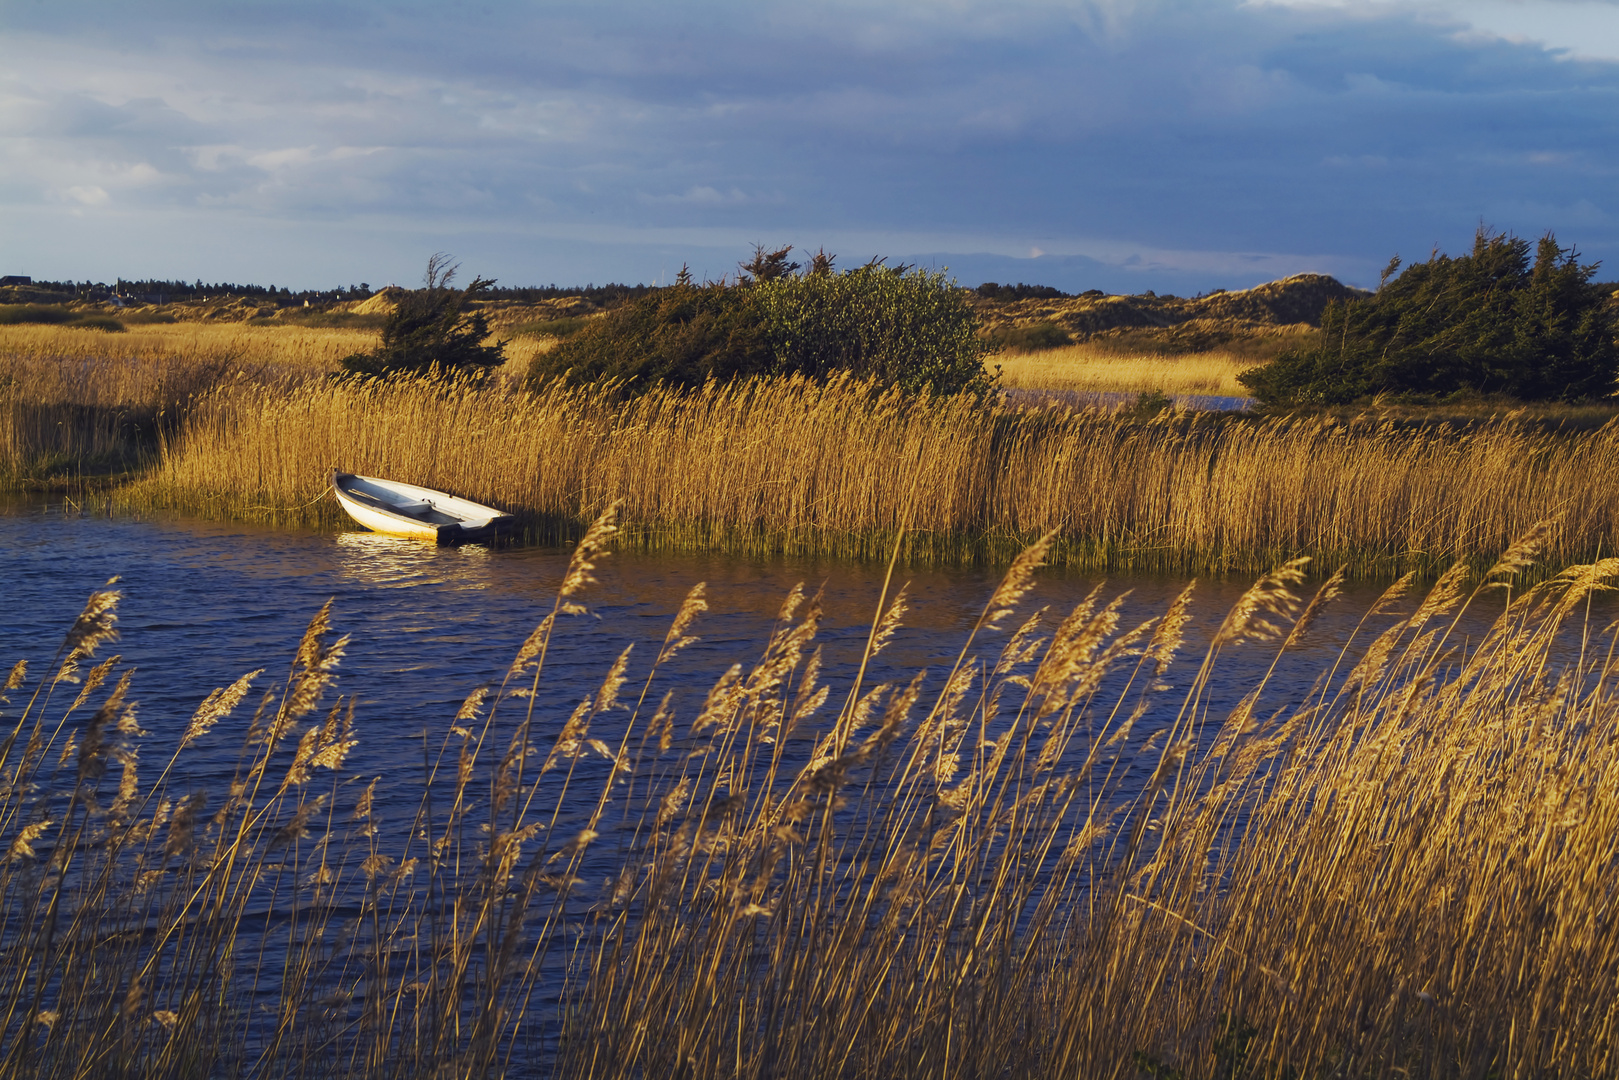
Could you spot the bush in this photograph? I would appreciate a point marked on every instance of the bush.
(98, 322)
(683, 335)
(1032, 338)
(1485, 323)
(1148, 404)
(901, 327)
(48, 314)
(555, 328)
(433, 327)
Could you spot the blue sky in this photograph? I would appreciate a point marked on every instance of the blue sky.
(1082, 143)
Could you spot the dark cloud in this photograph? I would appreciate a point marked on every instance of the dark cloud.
(1177, 146)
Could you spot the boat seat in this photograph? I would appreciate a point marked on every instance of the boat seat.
(412, 509)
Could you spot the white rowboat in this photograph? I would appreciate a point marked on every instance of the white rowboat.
(387, 506)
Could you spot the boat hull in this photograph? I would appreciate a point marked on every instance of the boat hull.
(399, 509)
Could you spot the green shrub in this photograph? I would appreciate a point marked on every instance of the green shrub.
(556, 328)
(148, 318)
(902, 327)
(1032, 338)
(1485, 323)
(49, 314)
(334, 320)
(98, 322)
(1148, 404)
(434, 327)
(683, 335)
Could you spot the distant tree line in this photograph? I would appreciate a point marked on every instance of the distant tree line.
(598, 295)
(991, 290)
(603, 296)
(180, 291)
(609, 295)
(197, 290)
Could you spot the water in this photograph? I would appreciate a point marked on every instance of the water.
(1109, 399)
(205, 602)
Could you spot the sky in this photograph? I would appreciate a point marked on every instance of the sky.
(1125, 145)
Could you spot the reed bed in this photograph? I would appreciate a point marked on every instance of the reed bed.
(1093, 369)
(1051, 859)
(82, 402)
(841, 468)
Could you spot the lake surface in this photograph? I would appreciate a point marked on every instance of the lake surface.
(205, 602)
(1112, 399)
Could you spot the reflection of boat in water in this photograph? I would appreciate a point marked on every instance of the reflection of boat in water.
(387, 506)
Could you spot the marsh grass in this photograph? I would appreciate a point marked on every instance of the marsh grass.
(836, 468)
(1051, 859)
(77, 405)
(288, 345)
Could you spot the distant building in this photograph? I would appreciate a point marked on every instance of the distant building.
(16, 279)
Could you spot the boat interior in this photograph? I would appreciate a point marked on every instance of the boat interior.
(420, 511)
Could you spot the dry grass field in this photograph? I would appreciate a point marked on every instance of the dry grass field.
(286, 345)
(82, 402)
(1091, 368)
(1052, 859)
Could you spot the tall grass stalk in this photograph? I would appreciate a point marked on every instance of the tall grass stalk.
(800, 467)
(1044, 861)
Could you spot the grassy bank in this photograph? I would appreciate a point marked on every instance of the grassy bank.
(1001, 869)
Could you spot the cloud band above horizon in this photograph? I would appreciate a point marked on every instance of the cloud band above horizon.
(1175, 147)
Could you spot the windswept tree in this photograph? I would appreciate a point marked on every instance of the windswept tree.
(436, 326)
(1489, 322)
(767, 265)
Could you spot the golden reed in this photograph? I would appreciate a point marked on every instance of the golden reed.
(838, 469)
